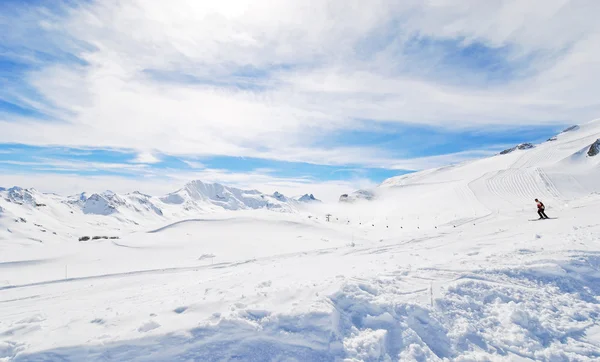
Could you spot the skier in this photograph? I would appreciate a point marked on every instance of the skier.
(541, 208)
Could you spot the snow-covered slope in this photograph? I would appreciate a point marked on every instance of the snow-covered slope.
(555, 171)
(108, 203)
(443, 265)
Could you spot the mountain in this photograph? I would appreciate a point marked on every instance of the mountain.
(556, 172)
(198, 193)
(98, 205)
(137, 208)
(279, 196)
(308, 198)
(21, 196)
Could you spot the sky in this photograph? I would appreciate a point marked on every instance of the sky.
(322, 96)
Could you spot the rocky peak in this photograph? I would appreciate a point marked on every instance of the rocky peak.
(594, 148)
(522, 146)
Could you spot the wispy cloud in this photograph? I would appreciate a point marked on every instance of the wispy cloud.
(78, 166)
(282, 80)
(194, 164)
(145, 157)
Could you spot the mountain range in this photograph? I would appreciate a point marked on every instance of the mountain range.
(196, 197)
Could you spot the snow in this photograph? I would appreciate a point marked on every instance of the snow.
(443, 264)
(199, 195)
(21, 196)
(98, 205)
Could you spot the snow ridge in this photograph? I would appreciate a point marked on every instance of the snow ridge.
(138, 208)
(228, 198)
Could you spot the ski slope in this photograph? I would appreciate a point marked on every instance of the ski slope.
(443, 264)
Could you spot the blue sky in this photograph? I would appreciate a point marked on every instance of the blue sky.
(260, 94)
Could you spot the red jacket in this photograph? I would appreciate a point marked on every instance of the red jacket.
(540, 205)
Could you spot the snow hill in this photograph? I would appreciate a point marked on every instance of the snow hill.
(556, 172)
(449, 264)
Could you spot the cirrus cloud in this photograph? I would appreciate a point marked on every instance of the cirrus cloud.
(276, 80)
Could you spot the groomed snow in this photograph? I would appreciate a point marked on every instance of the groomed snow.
(445, 264)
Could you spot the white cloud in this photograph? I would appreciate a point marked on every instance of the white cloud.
(145, 157)
(323, 65)
(194, 164)
(79, 166)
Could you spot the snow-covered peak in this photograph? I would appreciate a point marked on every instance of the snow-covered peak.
(308, 198)
(279, 196)
(198, 195)
(98, 205)
(20, 195)
(141, 194)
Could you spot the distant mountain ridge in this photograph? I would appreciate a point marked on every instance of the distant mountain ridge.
(195, 196)
(229, 198)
